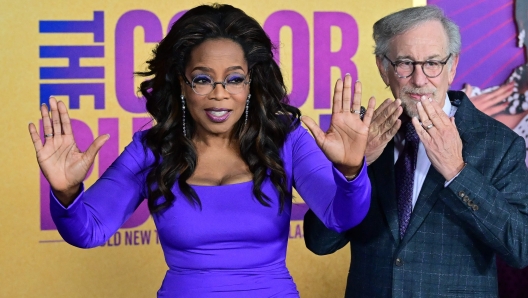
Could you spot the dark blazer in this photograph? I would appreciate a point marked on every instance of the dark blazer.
(454, 232)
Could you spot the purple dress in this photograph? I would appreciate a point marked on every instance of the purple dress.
(234, 246)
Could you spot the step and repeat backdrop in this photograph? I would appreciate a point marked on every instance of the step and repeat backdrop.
(85, 53)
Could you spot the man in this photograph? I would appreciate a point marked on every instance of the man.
(449, 184)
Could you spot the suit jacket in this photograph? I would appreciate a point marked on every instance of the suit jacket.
(454, 232)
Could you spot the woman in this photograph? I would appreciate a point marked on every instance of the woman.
(218, 166)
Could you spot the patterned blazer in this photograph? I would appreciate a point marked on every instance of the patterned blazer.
(454, 232)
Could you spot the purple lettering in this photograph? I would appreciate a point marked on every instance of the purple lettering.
(300, 50)
(124, 55)
(175, 18)
(325, 59)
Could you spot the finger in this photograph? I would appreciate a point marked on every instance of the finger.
(424, 117)
(434, 112)
(337, 104)
(389, 112)
(91, 152)
(358, 92)
(468, 89)
(388, 124)
(496, 109)
(46, 122)
(64, 118)
(347, 93)
(422, 133)
(37, 142)
(498, 96)
(383, 106)
(55, 118)
(316, 131)
(390, 133)
(369, 114)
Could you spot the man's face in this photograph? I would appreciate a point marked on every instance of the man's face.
(428, 41)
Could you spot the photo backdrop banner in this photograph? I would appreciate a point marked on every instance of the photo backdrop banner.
(85, 53)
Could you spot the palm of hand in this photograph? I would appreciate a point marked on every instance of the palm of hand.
(62, 163)
(59, 158)
(345, 141)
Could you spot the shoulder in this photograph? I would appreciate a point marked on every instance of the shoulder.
(138, 148)
(472, 122)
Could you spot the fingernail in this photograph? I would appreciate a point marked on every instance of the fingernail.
(423, 97)
(430, 99)
(418, 104)
(347, 74)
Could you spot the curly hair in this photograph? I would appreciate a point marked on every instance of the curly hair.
(259, 141)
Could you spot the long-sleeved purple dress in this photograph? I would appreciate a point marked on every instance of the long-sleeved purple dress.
(234, 246)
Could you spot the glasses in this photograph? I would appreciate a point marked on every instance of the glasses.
(431, 68)
(203, 84)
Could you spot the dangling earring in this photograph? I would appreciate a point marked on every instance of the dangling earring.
(183, 112)
(247, 108)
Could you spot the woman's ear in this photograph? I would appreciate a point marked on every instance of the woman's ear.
(182, 84)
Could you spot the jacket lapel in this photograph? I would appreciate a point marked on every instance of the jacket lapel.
(383, 178)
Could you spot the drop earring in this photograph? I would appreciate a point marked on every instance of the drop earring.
(183, 112)
(247, 109)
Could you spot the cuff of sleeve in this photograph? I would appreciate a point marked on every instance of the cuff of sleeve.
(57, 206)
(446, 184)
(341, 180)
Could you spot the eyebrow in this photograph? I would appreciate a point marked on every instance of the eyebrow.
(432, 57)
(208, 69)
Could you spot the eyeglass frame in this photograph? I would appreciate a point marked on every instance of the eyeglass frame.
(443, 63)
(214, 83)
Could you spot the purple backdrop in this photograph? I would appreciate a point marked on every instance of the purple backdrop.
(489, 40)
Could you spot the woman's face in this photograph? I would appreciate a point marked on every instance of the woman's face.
(217, 112)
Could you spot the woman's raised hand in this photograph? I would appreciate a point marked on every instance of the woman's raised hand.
(61, 162)
(345, 141)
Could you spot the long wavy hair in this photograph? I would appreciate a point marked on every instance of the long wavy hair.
(270, 117)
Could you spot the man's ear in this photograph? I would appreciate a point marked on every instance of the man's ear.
(382, 70)
(452, 71)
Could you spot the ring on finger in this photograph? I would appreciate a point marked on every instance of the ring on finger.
(429, 126)
(355, 111)
(49, 135)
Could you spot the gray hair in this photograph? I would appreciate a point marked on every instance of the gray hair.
(402, 21)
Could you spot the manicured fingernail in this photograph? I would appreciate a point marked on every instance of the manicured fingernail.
(423, 97)
(430, 99)
(419, 104)
(347, 74)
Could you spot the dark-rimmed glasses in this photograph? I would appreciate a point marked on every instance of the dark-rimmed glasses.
(204, 84)
(405, 68)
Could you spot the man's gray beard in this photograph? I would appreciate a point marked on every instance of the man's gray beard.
(409, 108)
(409, 104)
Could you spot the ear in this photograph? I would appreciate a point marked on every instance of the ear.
(452, 71)
(182, 84)
(382, 70)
